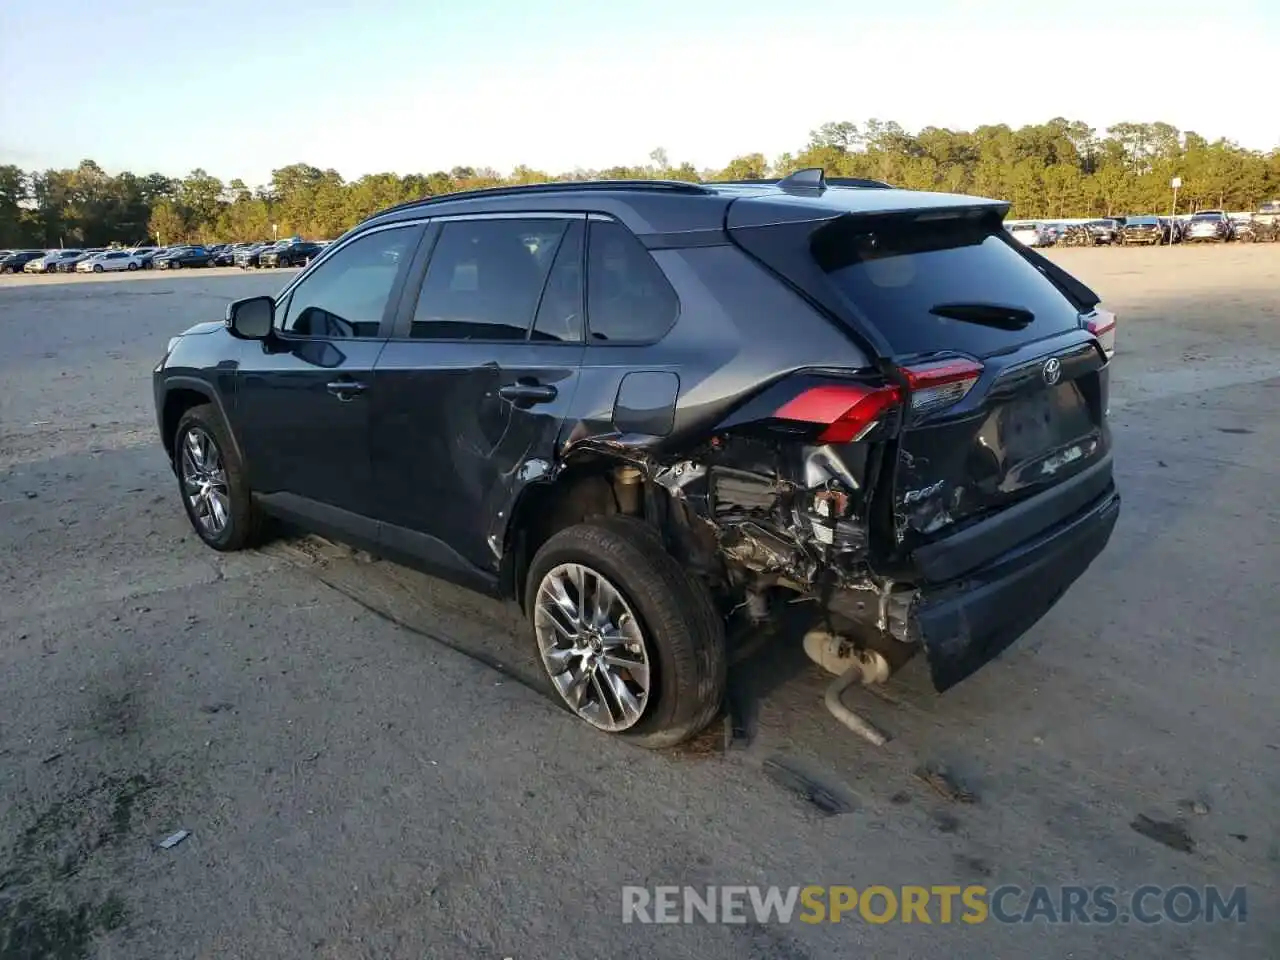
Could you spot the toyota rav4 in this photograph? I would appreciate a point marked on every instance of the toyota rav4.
(641, 409)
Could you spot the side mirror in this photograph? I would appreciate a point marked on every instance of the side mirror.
(251, 318)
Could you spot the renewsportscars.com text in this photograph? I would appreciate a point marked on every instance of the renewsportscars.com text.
(942, 904)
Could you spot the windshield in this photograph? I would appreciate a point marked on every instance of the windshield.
(1207, 216)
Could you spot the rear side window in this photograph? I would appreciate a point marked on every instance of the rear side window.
(628, 297)
(895, 270)
(485, 278)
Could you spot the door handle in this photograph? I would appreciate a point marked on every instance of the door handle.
(346, 390)
(524, 393)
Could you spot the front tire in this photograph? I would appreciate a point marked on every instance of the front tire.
(212, 483)
(631, 643)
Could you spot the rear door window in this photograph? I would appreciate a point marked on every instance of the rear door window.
(559, 318)
(485, 278)
(894, 271)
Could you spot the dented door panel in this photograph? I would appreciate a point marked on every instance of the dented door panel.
(450, 450)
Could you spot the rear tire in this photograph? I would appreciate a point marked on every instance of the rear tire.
(244, 524)
(681, 633)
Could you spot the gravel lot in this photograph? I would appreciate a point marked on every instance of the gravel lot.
(368, 769)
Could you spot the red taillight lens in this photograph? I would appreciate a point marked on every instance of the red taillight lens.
(1102, 324)
(940, 383)
(849, 410)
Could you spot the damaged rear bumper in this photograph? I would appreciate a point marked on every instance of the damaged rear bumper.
(967, 622)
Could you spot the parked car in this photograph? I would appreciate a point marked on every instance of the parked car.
(248, 256)
(70, 264)
(1078, 235)
(49, 262)
(1173, 229)
(1213, 225)
(147, 259)
(745, 445)
(1032, 234)
(225, 256)
(1249, 229)
(109, 262)
(175, 258)
(1105, 231)
(1146, 230)
(292, 254)
(16, 260)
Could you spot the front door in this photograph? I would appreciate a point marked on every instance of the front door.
(303, 398)
(471, 391)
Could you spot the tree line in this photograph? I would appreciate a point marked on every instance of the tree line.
(1052, 170)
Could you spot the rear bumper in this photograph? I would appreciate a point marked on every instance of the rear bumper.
(968, 622)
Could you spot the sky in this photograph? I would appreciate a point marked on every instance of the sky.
(241, 88)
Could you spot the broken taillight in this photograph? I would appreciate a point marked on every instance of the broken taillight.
(940, 383)
(849, 410)
(1102, 324)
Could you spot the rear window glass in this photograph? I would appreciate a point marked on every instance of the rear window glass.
(894, 271)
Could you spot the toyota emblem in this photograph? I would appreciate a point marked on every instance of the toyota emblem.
(1052, 371)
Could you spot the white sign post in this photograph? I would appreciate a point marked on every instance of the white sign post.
(274, 229)
(1176, 182)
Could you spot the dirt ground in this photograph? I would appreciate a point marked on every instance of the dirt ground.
(368, 769)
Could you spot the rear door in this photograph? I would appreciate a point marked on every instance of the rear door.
(1016, 387)
(471, 392)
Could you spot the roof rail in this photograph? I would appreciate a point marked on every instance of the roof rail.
(858, 182)
(555, 186)
(813, 181)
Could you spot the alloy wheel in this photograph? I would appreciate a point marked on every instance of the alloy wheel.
(204, 482)
(592, 647)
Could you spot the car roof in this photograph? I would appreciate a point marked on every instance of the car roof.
(675, 206)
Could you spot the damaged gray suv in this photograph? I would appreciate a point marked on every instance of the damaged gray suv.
(642, 408)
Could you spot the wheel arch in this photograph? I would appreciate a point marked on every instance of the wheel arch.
(180, 395)
(592, 485)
